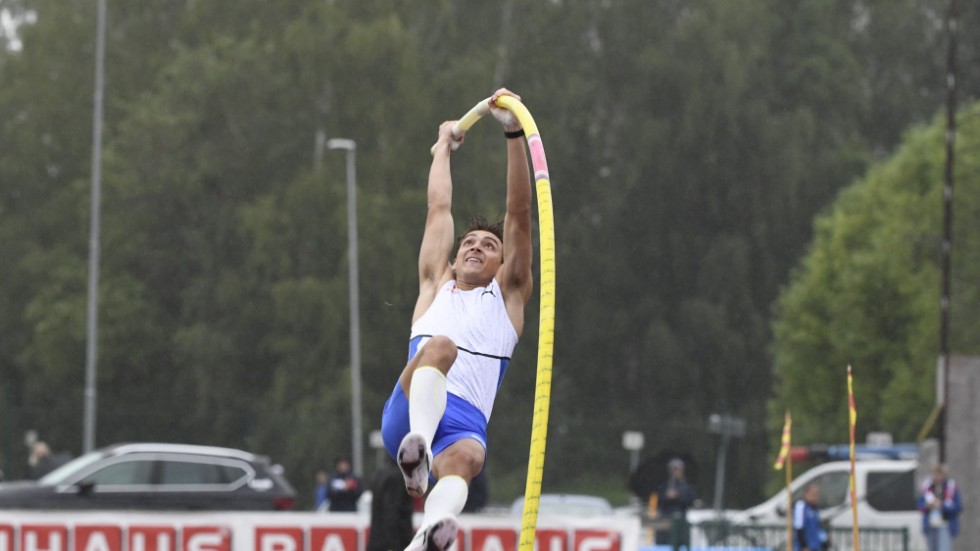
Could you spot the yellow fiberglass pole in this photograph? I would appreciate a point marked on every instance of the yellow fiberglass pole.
(546, 330)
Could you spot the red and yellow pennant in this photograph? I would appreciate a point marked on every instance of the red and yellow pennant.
(784, 447)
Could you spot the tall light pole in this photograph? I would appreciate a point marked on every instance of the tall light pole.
(947, 246)
(357, 454)
(633, 442)
(92, 315)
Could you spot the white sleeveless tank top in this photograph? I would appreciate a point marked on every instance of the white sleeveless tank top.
(477, 322)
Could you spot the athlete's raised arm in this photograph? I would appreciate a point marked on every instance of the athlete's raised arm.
(515, 277)
(437, 239)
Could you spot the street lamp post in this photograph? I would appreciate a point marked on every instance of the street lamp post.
(357, 455)
(728, 427)
(95, 223)
(633, 442)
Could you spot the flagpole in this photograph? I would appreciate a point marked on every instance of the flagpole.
(852, 422)
(780, 459)
(789, 503)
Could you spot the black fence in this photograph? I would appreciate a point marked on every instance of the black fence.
(771, 537)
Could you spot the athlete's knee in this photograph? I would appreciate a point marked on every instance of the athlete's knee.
(472, 462)
(461, 460)
(439, 351)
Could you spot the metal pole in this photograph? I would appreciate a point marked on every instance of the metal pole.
(727, 427)
(720, 468)
(92, 316)
(357, 452)
(949, 179)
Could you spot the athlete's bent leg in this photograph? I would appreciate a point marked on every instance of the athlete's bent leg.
(454, 468)
(438, 352)
(426, 393)
(463, 458)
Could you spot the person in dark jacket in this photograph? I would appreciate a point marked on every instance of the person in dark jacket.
(391, 512)
(42, 461)
(478, 495)
(940, 504)
(674, 498)
(345, 488)
(808, 533)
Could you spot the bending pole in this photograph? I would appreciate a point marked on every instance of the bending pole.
(546, 326)
(546, 329)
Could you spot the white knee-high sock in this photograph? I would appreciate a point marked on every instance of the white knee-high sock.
(426, 401)
(447, 497)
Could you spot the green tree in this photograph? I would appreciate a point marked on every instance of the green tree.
(866, 294)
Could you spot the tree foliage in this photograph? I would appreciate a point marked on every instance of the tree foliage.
(866, 295)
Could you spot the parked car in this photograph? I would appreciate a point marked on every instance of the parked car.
(566, 504)
(157, 477)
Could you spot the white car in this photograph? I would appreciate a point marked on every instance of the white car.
(566, 504)
(885, 489)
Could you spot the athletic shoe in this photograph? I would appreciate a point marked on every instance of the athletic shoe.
(438, 536)
(415, 461)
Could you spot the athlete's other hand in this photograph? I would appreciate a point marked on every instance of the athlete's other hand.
(448, 137)
(505, 116)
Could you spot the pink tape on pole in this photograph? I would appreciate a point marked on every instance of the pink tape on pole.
(538, 160)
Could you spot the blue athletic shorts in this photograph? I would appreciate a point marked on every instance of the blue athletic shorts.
(461, 420)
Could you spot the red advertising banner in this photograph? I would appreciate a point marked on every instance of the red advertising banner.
(98, 538)
(551, 539)
(333, 539)
(596, 540)
(152, 538)
(206, 538)
(43, 537)
(6, 537)
(279, 539)
(206, 531)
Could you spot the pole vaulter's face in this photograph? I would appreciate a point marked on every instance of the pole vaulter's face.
(478, 258)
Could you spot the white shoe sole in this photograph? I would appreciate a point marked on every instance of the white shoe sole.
(415, 464)
(441, 535)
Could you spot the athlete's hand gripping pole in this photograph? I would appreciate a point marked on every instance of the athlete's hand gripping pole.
(464, 124)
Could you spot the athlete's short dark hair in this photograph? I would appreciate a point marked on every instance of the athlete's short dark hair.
(480, 222)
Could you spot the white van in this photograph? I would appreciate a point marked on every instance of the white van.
(885, 489)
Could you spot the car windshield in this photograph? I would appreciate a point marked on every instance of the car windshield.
(59, 475)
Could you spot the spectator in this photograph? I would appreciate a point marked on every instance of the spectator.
(42, 461)
(674, 497)
(344, 488)
(391, 512)
(809, 534)
(478, 495)
(940, 504)
(321, 501)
